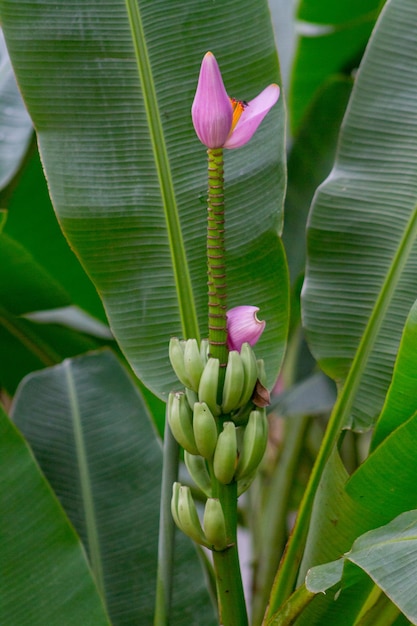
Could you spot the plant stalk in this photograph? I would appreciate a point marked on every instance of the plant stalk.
(230, 595)
(216, 268)
(166, 541)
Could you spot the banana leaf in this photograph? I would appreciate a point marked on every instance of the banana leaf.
(88, 428)
(388, 555)
(127, 175)
(361, 276)
(15, 124)
(45, 575)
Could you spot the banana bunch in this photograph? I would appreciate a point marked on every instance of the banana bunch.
(184, 513)
(199, 373)
(223, 433)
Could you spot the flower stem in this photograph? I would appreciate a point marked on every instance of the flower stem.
(230, 595)
(216, 269)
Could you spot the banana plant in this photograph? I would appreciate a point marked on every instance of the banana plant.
(131, 176)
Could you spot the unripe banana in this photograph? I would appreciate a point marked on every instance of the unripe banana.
(176, 356)
(215, 525)
(205, 430)
(193, 363)
(204, 350)
(261, 371)
(225, 455)
(174, 503)
(233, 383)
(209, 382)
(254, 443)
(188, 518)
(251, 372)
(180, 421)
(198, 471)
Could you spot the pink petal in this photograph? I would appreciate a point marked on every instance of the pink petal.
(252, 116)
(211, 110)
(243, 326)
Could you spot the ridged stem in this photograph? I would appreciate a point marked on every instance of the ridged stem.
(230, 595)
(216, 268)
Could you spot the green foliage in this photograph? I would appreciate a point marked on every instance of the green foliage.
(38, 539)
(125, 168)
(88, 428)
(110, 252)
(361, 277)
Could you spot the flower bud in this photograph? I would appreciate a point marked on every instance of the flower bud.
(243, 326)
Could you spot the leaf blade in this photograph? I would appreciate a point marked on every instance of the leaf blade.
(362, 227)
(89, 112)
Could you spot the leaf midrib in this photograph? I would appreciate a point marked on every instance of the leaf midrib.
(178, 255)
(85, 481)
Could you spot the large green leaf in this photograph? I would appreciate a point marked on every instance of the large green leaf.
(381, 488)
(45, 575)
(88, 428)
(388, 555)
(124, 165)
(361, 277)
(310, 161)
(401, 401)
(15, 124)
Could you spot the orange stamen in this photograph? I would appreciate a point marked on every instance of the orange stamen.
(238, 108)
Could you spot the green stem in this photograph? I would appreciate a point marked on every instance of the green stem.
(166, 541)
(274, 514)
(185, 295)
(292, 608)
(216, 269)
(230, 596)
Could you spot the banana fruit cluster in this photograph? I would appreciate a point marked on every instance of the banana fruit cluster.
(224, 435)
(199, 373)
(212, 534)
(233, 453)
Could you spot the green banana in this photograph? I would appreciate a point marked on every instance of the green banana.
(255, 438)
(198, 471)
(205, 430)
(251, 373)
(209, 382)
(180, 420)
(225, 455)
(176, 356)
(233, 383)
(214, 524)
(261, 371)
(193, 363)
(204, 350)
(174, 503)
(189, 521)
